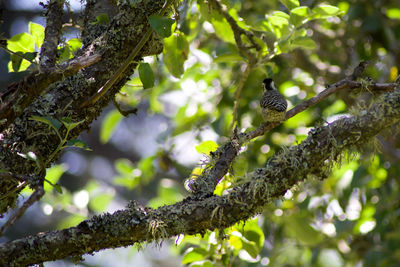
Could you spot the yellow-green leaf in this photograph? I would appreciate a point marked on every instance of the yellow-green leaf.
(206, 147)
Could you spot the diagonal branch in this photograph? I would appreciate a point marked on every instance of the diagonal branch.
(225, 154)
(314, 156)
(21, 94)
(36, 196)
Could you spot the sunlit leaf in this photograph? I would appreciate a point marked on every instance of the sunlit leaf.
(37, 32)
(228, 57)
(110, 123)
(393, 13)
(176, 50)
(193, 255)
(99, 203)
(206, 147)
(325, 11)
(102, 18)
(304, 42)
(290, 4)
(23, 42)
(299, 15)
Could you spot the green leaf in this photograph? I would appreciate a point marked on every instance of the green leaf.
(58, 188)
(303, 42)
(228, 57)
(53, 174)
(110, 123)
(279, 24)
(195, 254)
(37, 32)
(16, 60)
(176, 50)
(223, 30)
(74, 44)
(102, 18)
(67, 121)
(78, 143)
(161, 25)
(54, 123)
(70, 221)
(147, 167)
(100, 202)
(206, 147)
(290, 4)
(124, 166)
(299, 15)
(325, 11)
(251, 248)
(23, 42)
(393, 13)
(70, 48)
(299, 227)
(146, 75)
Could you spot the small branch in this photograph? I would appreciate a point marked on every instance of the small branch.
(238, 91)
(48, 52)
(238, 32)
(19, 95)
(17, 54)
(223, 157)
(124, 113)
(38, 194)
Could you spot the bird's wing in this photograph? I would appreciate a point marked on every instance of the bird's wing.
(273, 100)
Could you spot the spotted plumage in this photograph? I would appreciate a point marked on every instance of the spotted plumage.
(273, 104)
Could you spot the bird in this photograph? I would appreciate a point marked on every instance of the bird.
(273, 104)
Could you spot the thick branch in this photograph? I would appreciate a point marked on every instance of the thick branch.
(21, 94)
(314, 156)
(113, 42)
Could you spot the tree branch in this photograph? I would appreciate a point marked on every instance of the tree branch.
(21, 94)
(314, 156)
(111, 43)
(223, 157)
(48, 52)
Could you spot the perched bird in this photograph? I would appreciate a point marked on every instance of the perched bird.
(273, 104)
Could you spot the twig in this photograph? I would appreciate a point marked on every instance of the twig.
(38, 194)
(225, 154)
(124, 113)
(19, 95)
(238, 32)
(18, 55)
(238, 91)
(48, 52)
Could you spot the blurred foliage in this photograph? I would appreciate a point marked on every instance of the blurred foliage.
(349, 219)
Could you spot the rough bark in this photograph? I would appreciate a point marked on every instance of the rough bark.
(63, 95)
(315, 156)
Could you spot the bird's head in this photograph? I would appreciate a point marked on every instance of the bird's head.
(268, 84)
